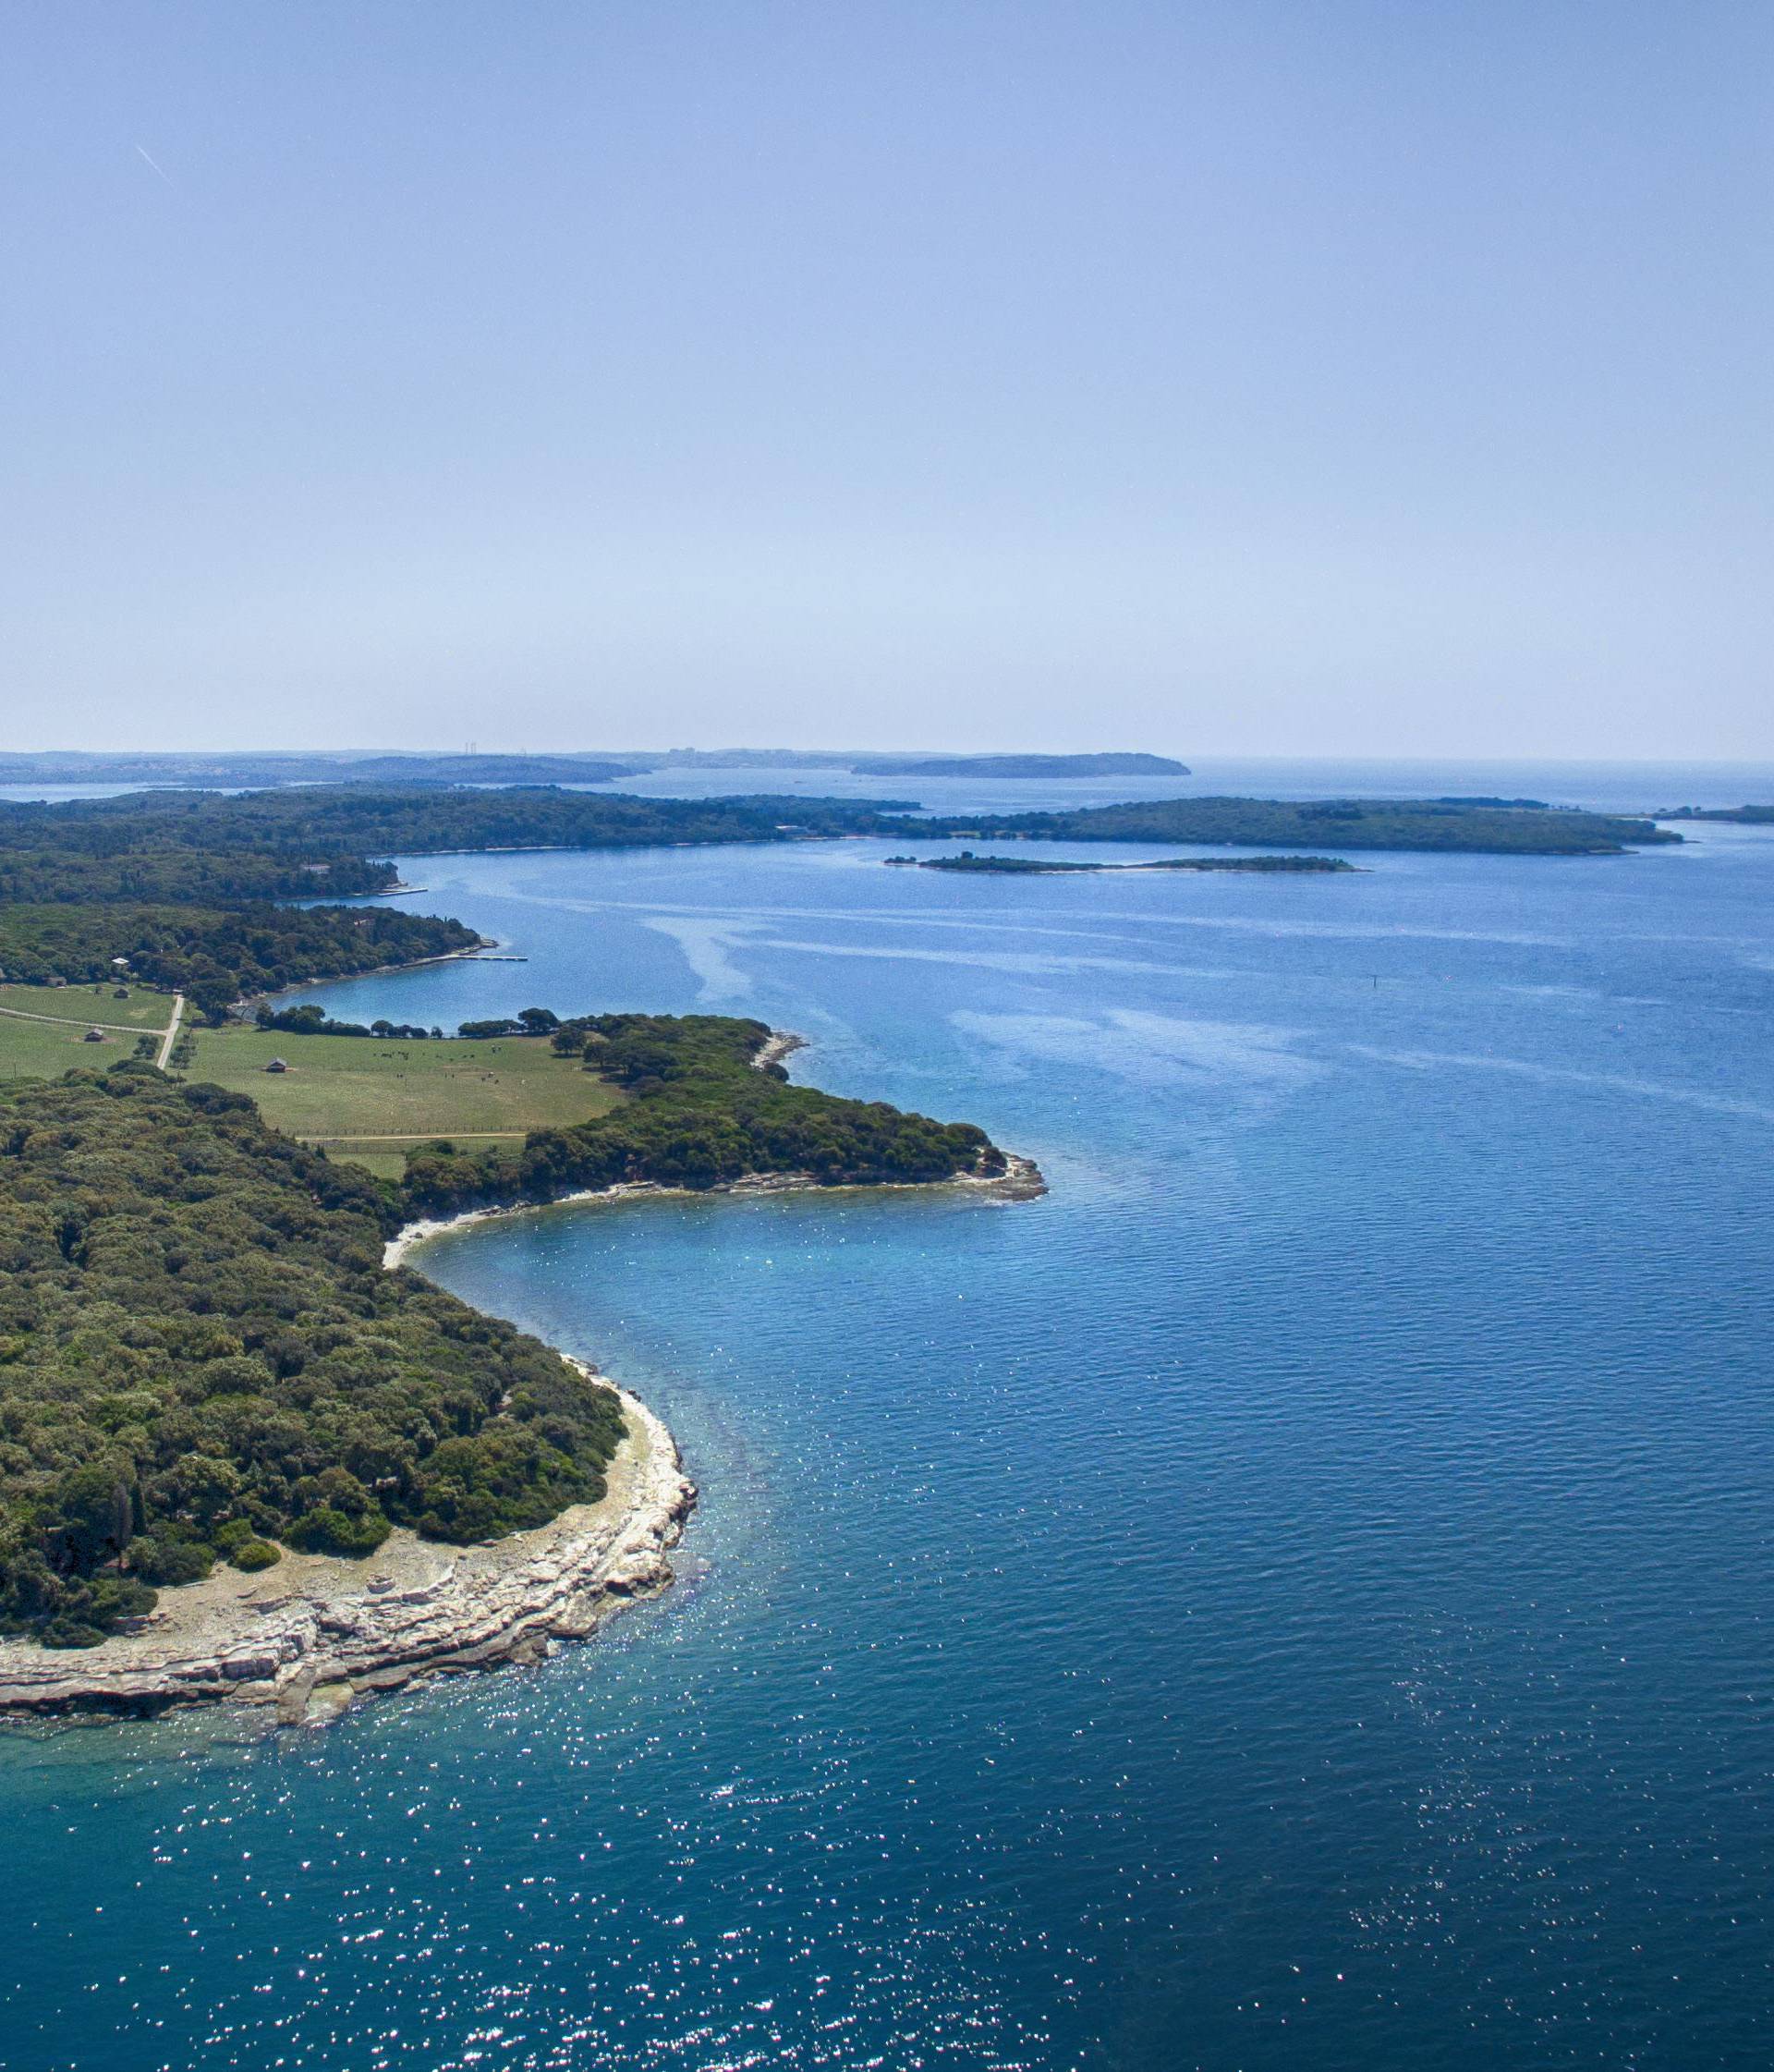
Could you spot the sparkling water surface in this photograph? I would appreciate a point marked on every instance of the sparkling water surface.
(1294, 1597)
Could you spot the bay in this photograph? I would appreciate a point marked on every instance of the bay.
(1296, 1595)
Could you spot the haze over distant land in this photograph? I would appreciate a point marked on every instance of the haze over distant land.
(226, 767)
(1109, 765)
(1270, 379)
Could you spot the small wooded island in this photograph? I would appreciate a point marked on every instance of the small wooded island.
(1033, 866)
(1745, 816)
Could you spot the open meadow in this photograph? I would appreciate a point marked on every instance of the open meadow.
(43, 1028)
(369, 1100)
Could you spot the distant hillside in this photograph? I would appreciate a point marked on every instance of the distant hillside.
(1109, 766)
(276, 767)
(255, 770)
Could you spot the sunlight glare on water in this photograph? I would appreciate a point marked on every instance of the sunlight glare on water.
(1294, 1596)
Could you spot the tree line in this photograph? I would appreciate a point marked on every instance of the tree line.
(215, 955)
(201, 1358)
(699, 1113)
(1358, 824)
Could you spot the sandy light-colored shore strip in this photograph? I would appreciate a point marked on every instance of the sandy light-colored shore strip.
(476, 950)
(1020, 1181)
(310, 1634)
(314, 1632)
(782, 1043)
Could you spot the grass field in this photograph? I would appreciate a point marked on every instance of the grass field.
(365, 1099)
(368, 1100)
(86, 1005)
(44, 1049)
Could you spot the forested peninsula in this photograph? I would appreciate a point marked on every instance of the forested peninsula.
(202, 1361)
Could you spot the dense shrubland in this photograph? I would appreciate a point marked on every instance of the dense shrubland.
(202, 1357)
(1354, 824)
(201, 1354)
(700, 1112)
(215, 956)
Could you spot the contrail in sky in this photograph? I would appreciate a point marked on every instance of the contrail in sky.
(159, 169)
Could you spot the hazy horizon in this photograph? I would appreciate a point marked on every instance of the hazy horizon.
(1319, 384)
(1238, 769)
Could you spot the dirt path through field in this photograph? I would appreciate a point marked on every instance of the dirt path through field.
(170, 1037)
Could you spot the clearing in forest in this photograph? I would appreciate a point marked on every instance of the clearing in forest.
(369, 1099)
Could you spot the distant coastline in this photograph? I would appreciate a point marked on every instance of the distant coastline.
(1109, 766)
(968, 864)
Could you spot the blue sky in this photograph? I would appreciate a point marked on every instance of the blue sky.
(1305, 379)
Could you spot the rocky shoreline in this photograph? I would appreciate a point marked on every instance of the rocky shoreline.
(307, 1637)
(782, 1043)
(1020, 1181)
(310, 1635)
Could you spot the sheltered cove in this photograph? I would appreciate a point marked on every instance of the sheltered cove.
(304, 1639)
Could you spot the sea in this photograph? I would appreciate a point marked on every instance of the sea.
(1298, 1597)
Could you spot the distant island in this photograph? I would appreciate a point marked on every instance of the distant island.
(1360, 823)
(1031, 866)
(1021, 766)
(1745, 816)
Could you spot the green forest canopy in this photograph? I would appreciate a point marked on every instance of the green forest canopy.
(199, 1348)
(201, 1354)
(215, 956)
(1358, 824)
(195, 888)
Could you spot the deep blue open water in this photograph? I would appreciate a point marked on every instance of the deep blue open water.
(1298, 1596)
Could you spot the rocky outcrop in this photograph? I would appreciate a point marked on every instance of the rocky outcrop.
(779, 1044)
(1020, 1179)
(312, 1633)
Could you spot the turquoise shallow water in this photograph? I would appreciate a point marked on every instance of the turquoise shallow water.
(1298, 1596)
